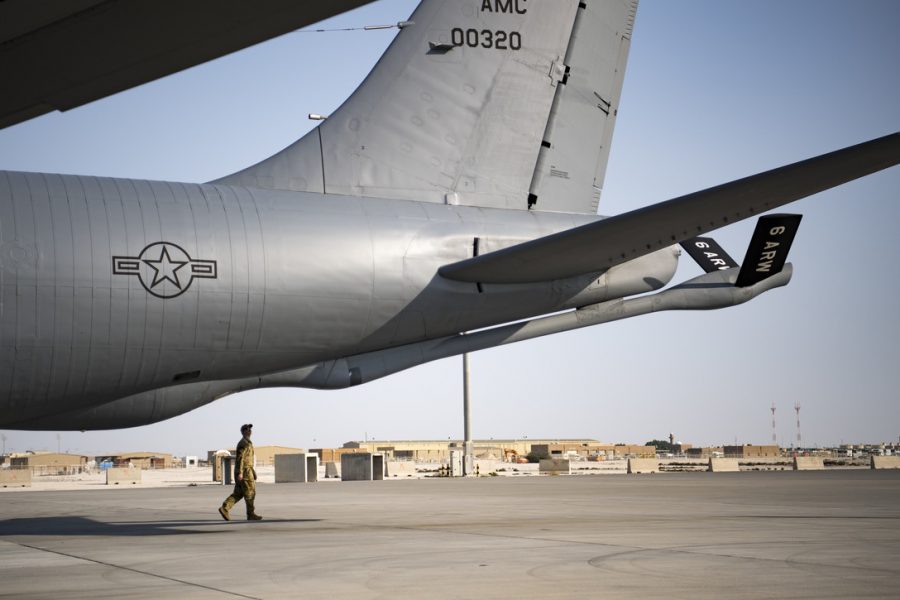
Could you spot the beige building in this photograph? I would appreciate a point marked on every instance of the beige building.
(750, 451)
(592, 449)
(334, 454)
(49, 463)
(707, 452)
(143, 460)
(47, 459)
(439, 450)
(265, 455)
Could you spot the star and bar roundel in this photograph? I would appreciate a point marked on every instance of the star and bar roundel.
(165, 269)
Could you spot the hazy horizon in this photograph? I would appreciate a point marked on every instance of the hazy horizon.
(715, 91)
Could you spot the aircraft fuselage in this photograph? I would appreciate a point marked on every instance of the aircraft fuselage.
(114, 287)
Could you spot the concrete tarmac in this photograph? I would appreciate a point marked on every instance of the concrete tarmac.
(678, 535)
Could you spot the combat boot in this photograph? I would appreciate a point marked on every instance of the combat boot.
(251, 510)
(224, 512)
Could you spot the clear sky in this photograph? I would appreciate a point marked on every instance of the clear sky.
(715, 90)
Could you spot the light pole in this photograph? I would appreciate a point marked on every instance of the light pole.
(468, 454)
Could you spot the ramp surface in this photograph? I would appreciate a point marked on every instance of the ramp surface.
(687, 535)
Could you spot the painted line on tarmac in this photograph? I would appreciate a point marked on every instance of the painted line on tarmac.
(138, 571)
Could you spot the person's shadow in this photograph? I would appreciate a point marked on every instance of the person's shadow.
(83, 526)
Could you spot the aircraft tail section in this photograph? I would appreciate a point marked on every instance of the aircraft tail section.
(457, 110)
(575, 147)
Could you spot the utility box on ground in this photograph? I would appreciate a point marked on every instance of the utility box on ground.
(362, 466)
(228, 469)
(296, 468)
(456, 463)
(219, 470)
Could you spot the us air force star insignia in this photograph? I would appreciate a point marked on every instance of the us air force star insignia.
(164, 269)
(167, 269)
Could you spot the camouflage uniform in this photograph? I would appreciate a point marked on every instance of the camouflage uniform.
(246, 487)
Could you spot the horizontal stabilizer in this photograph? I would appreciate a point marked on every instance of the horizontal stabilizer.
(768, 248)
(603, 244)
(61, 55)
(708, 254)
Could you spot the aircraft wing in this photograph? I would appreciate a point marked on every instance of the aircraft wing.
(603, 244)
(60, 54)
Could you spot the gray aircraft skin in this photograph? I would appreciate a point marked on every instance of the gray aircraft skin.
(448, 205)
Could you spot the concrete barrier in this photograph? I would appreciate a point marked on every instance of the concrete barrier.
(362, 466)
(809, 463)
(400, 468)
(554, 466)
(885, 462)
(723, 465)
(296, 468)
(119, 475)
(332, 470)
(643, 465)
(15, 477)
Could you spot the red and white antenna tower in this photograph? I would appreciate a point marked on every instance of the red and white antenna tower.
(774, 439)
(797, 410)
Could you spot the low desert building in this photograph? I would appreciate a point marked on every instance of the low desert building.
(47, 459)
(592, 449)
(49, 463)
(140, 460)
(751, 451)
(439, 450)
(705, 452)
(265, 455)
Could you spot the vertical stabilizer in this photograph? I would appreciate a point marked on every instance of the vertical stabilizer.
(453, 112)
(457, 108)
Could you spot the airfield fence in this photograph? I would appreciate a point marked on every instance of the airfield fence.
(56, 470)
